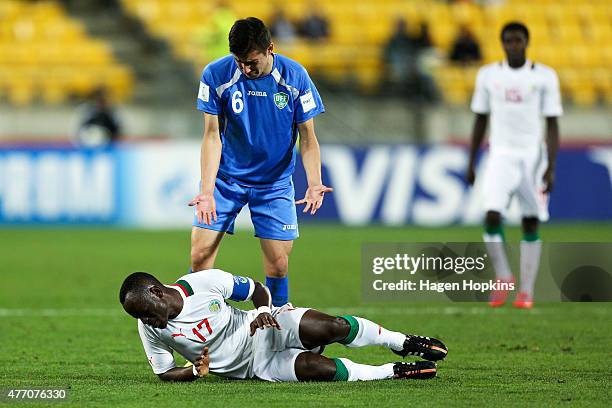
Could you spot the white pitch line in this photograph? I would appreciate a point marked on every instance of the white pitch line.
(60, 312)
(484, 309)
(394, 311)
(402, 311)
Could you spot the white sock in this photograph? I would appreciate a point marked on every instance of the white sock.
(363, 372)
(497, 252)
(372, 334)
(530, 263)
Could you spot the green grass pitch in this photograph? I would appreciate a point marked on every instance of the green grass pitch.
(62, 324)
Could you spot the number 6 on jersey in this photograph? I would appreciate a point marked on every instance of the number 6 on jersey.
(237, 104)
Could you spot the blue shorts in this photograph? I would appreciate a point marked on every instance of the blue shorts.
(272, 210)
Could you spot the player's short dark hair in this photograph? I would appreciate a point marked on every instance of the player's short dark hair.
(137, 283)
(514, 26)
(248, 35)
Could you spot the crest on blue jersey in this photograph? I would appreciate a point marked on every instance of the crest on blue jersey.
(281, 99)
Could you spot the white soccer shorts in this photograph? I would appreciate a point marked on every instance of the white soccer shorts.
(509, 173)
(275, 351)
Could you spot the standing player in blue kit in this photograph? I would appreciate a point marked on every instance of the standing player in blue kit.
(255, 104)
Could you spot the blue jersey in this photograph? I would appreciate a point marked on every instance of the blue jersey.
(258, 118)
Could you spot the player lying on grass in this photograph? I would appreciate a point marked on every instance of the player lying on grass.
(284, 343)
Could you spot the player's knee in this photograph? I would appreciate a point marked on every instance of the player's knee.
(493, 219)
(202, 257)
(313, 367)
(338, 328)
(278, 266)
(530, 225)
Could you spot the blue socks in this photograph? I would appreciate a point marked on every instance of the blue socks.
(279, 289)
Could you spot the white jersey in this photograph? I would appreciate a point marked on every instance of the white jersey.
(205, 320)
(516, 100)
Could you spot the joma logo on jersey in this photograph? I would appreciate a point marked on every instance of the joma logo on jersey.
(281, 99)
(289, 227)
(256, 93)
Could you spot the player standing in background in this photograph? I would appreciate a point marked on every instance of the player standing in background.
(255, 103)
(516, 93)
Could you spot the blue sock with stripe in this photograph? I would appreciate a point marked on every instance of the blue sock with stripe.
(279, 289)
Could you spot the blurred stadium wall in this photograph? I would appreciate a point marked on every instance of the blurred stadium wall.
(147, 55)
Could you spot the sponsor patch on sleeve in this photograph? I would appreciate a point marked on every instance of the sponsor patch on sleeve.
(308, 102)
(203, 94)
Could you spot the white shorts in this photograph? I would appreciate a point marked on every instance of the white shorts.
(509, 173)
(275, 351)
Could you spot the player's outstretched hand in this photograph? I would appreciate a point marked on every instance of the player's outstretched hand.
(264, 321)
(205, 208)
(314, 198)
(202, 362)
(470, 175)
(549, 180)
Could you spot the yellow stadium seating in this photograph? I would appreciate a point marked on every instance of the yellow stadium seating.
(572, 35)
(46, 56)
